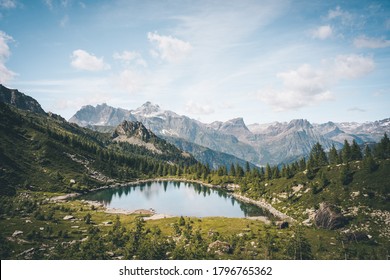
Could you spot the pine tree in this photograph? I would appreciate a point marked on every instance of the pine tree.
(232, 171)
(356, 153)
(369, 164)
(382, 150)
(345, 174)
(317, 156)
(333, 155)
(346, 152)
(247, 168)
(239, 171)
(268, 172)
(302, 164)
(275, 172)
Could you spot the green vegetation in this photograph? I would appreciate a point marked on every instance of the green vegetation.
(42, 156)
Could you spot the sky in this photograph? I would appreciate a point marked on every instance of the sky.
(263, 60)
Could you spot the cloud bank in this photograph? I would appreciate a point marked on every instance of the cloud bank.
(82, 60)
(307, 86)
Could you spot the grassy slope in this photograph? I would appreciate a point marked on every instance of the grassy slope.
(29, 156)
(35, 149)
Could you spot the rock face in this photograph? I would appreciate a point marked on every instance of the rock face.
(20, 100)
(272, 143)
(133, 129)
(329, 217)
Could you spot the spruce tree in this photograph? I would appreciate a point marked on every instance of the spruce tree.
(317, 156)
(369, 164)
(333, 155)
(268, 172)
(345, 174)
(346, 152)
(356, 153)
(232, 171)
(382, 150)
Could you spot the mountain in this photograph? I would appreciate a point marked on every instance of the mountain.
(44, 152)
(169, 125)
(212, 158)
(331, 130)
(368, 131)
(19, 100)
(259, 144)
(100, 115)
(136, 134)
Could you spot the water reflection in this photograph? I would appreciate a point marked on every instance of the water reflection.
(176, 198)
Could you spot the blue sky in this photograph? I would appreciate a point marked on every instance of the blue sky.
(262, 60)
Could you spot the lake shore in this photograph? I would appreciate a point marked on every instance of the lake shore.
(230, 187)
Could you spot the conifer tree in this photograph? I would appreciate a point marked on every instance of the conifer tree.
(345, 174)
(346, 152)
(333, 155)
(268, 172)
(232, 171)
(317, 156)
(382, 150)
(356, 153)
(369, 164)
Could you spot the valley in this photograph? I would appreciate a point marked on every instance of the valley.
(334, 195)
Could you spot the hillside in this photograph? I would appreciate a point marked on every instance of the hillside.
(45, 152)
(331, 205)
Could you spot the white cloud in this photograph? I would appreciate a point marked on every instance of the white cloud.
(302, 87)
(5, 74)
(130, 56)
(345, 16)
(352, 66)
(322, 32)
(198, 109)
(8, 4)
(82, 60)
(169, 48)
(371, 43)
(306, 86)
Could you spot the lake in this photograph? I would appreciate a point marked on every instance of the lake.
(177, 199)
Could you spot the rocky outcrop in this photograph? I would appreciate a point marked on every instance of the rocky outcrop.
(133, 129)
(260, 144)
(329, 217)
(20, 100)
(219, 247)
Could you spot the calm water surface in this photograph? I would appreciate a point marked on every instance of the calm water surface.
(175, 198)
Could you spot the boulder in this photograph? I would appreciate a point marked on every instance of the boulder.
(283, 225)
(329, 217)
(16, 233)
(219, 247)
(68, 217)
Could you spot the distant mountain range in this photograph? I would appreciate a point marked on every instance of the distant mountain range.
(218, 143)
(42, 151)
(259, 144)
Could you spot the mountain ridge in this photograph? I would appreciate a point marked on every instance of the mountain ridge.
(272, 143)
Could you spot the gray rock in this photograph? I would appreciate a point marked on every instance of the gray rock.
(329, 217)
(16, 233)
(219, 247)
(68, 217)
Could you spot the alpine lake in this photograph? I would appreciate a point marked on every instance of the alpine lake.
(176, 199)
